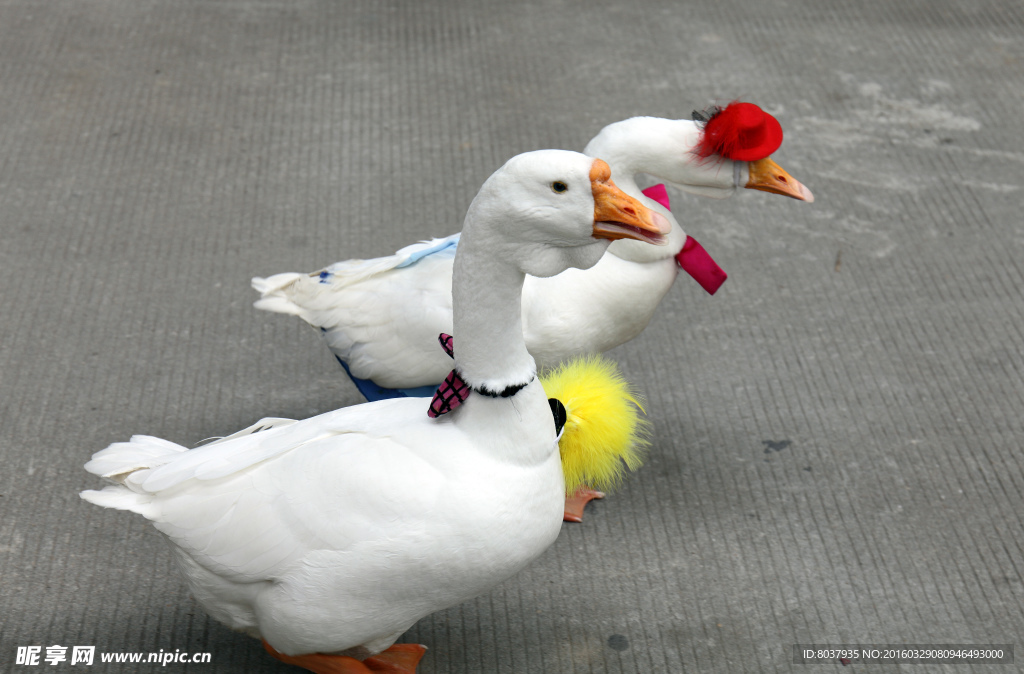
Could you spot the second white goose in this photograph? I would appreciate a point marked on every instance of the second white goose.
(380, 317)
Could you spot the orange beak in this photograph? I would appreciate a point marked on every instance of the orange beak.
(767, 176)
(618, 215)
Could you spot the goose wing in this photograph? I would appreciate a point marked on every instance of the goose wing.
(250, 506)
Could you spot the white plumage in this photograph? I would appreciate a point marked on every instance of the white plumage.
(381, 317)
(337, 533)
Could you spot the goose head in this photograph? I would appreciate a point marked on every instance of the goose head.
(666, 149)
(541, 213)
(549, 210)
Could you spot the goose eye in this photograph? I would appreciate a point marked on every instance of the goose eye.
(558, 186)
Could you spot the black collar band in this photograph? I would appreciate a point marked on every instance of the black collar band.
(506, 392)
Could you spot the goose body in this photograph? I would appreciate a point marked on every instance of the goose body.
(381, 317)
(377, 316)
(335, 534)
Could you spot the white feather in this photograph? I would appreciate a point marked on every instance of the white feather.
(340, 531)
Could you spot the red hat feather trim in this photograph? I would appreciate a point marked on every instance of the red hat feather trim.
(740, 131)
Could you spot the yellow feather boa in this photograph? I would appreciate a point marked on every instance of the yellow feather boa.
(604, 432)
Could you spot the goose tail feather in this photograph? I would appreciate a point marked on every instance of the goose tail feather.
(126, 464)
(274, 294)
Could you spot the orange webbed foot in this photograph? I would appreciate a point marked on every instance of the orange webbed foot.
(575, 504)
(399, 659)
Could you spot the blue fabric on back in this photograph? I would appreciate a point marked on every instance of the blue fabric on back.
(372, 391)
(446, 247)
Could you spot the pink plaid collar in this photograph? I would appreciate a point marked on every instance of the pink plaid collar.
(453, 391)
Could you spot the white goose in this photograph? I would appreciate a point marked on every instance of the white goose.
(330, 537)
(380, 317)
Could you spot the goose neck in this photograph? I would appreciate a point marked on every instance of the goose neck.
(490, 352)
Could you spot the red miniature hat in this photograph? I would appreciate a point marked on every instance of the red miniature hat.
(740, 131)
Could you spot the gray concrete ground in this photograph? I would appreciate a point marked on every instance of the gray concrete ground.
(837, 448)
